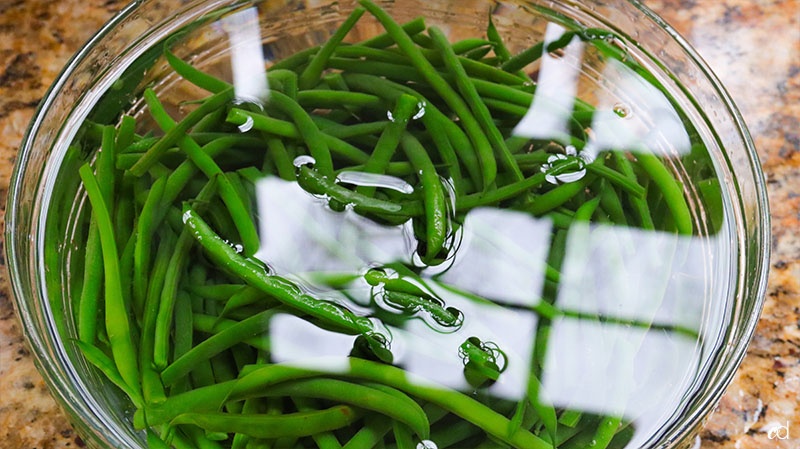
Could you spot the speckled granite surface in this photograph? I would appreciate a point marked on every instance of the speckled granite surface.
(754, 47)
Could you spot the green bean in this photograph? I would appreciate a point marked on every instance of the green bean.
(248, 328)
(97, 358)
(285, 129)
(363, 397)
(164, 290)
(402, 435)
(277, 150)
(605, 431)
(535, 52)
(126, 134)
(375, 428)
(298, 424)
(505, 107)
(285, 81)
(116, 312)
(192, 74)
(203, 440)
(639, 203)
(587, 209)
(323, 440)
(214, 324)
(497, 42)
(413, 27)
(478, 53)
(544, 410)
(346, 131)
(308, 130)
(469, 44)
(672, 191)
(183, 336)
(151, 385)
(88, 306)
(244, 297)
(175, 134)
(105, 166)
(476, 105)
(263, 122)
(310, 76)
(524, 58)
(357, 52)
(320, 98)
(611, 204)
(378, 68)
(145, 227)
(472, 201)
(217, 292)
(275, 286)
(617, 178)
(454, 434)
(166, 306)
(210, 398)
(389, 140)
(434, 198)
(558, 196)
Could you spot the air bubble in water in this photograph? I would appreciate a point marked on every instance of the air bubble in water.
(420, 111)
(302, 160)
(247, 125)
(565, 168)
(427, 444)
(417, 115)
(622, 110)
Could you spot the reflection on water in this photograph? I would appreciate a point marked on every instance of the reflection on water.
(247, 57)
(597, 317)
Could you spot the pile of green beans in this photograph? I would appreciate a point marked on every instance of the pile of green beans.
(175, 311)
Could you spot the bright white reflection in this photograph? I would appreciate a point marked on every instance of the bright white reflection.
(549, 114)
(294, 340)
(361, 178)
(299, 235)
(501, 256)
(638, 275)
(653, 291)
(633, 115)
(247, 57)
(618, 370)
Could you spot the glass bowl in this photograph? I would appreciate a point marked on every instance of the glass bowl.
(567, 239)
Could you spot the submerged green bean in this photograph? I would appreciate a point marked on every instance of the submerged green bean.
(116, 311)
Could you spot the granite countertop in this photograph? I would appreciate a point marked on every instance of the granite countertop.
(752, 45)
